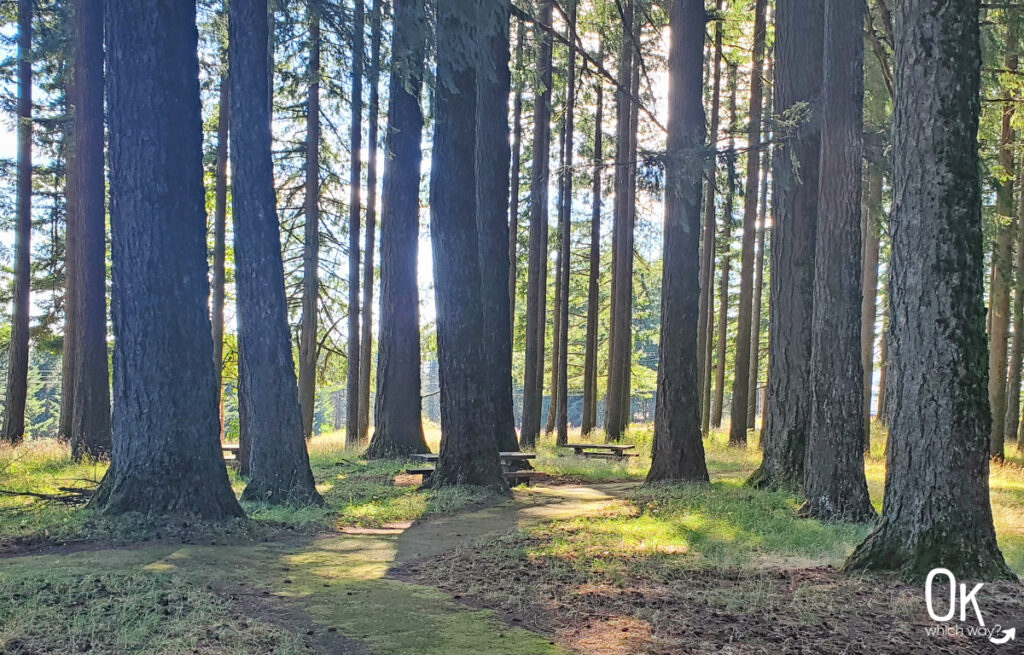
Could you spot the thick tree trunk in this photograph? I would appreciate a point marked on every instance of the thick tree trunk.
(741, 365)
(517, 160)
(366, 338)
(725, 246)
(17, 372)
(469, 452)
(89, 407)
(1012, 423)
(677, 451)
(536, 292)
(755, 313)
(278, 465)
(352, 435)
(622, 250)
(589, 420)
(707, 253)
(1002, 275)
(308, 342)
(834, 482)
(220, 220)
(872, 222)
(397, 424)
(798, 55)
(937, 509)
(494, 84)
(166, 458)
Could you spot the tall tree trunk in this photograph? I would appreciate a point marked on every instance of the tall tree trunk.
(536, 291)
(166, 458)
(1012, 423)
(366, 338)
(937, 506)
(707, 265)
(352, 435)
(755, 314)
(799, 31)
(562, 406)
(494, 84)
(397, 424)
(1002, 263)
(622, 251)
(308, 342)
(469, 452)
(872, 222)
(556, 314)
(834, 482)
(278, 465)
(517, 160)
(589, 420)
(220, 221)
(677, 451)
(725, 246)
(17, 372)
(741, 365)
(89, 409)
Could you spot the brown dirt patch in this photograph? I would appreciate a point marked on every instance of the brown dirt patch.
(812, 611)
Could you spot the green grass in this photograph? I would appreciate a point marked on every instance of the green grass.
(357, 493)
(128, 612)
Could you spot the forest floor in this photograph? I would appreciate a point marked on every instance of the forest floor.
(586, 561)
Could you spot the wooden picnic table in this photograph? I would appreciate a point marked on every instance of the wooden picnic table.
(508, 459)
(230, 451)
(602, 450)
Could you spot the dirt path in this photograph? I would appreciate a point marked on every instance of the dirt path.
(334, 586)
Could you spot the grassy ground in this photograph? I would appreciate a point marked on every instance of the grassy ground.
(358, 493)
(718, 568)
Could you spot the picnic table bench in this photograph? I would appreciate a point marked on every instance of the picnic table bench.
(230, 451)
(508, 460)
(602, 450)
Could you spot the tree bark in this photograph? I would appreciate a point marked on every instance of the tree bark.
(741, 365)
(17, 372)
(556, 314)
(220, 220)
(494, 85)
(755, 314)
(677, 451)
(622, 250)
(397, 424)
(308, 342)
(565, 238)
(1002, 264)
(872, 222)
(166, 458)
(89, 408)
(937, 509)
(834, 482)
(589, 419)
(725, 245)
(1012, 423)
(517, 160)
(536, 292)
(366, 338)
(798, 55)
(469, 451)
(279, 470)
(352, 435)
(707, 267)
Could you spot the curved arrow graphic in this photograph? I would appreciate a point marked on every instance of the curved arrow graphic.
(1008, 635)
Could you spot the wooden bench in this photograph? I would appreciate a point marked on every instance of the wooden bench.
(508, 461)
(230, 451)
(602, 450)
